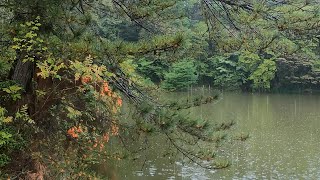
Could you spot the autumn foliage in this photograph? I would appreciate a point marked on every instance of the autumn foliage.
(74, 131)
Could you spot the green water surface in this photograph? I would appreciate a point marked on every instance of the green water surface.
(284, 141)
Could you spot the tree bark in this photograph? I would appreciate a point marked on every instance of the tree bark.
(23, 73)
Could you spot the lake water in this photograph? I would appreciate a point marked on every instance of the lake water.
(284, 141)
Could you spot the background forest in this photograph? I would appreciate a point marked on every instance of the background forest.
(274, 47)
(69, 68)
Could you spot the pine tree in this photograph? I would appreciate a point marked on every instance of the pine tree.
(68, 79)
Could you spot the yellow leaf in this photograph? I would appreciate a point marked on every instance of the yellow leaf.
(7, 119)
(76, 76)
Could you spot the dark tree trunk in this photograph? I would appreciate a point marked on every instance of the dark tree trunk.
(23, 73)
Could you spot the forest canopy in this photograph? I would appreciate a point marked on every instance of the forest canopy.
(69, 69)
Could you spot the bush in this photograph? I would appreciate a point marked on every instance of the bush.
(181, 75)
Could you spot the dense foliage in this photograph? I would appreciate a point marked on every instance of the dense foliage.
(68, 69)
(180, 76)
(236, 48)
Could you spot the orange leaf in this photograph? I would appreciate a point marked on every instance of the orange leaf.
(119, 101)
(85, 79)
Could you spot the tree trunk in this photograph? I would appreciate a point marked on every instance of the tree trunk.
(23, 73)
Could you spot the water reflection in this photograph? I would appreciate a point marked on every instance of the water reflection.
(284, 141)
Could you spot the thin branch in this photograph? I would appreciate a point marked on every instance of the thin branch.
(124, 9)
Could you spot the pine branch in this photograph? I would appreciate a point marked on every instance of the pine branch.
(125, 10)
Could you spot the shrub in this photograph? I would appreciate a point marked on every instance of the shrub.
(181, 75)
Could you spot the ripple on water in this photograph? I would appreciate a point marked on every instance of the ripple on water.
(139, 173)
(152, 170)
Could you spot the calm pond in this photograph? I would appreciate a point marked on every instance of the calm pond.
(284, 141)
